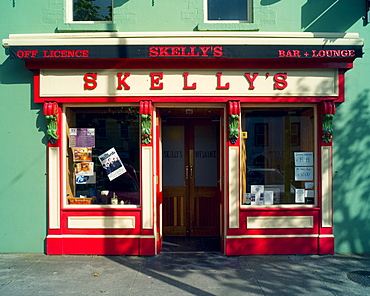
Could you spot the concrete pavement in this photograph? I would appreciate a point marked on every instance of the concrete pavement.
(208, 273)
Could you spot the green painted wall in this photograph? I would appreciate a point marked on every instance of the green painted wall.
(23, 204)
(22, 186)
(351, 161)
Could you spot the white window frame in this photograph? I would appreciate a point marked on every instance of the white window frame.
(69, 15)
(64, 165)
(316, 161)
(249, 14)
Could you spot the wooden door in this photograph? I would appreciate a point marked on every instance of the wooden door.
(190, 177)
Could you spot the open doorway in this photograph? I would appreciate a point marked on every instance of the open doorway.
(191, 179)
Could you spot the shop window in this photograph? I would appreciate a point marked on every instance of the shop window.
(228, 10)
(90, 10)
(124, 132)
(101, 128)
(261, 137)
(278, 159)
(103, 170)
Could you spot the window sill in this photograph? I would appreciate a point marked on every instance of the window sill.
(227, 27)
(91, 27)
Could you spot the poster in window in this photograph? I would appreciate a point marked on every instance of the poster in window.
(269, 197)
(257, 192)
(303, 159)
(299, 195)
(85, 168)
(82, 137)
(303, 174)
(80, 179)
(112, 164)
(82, 154)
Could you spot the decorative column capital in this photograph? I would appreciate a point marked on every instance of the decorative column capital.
(51, 113)
(328, 111)
(146, 110)
(234, 114)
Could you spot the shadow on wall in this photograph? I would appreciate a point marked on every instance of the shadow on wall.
(331, 15)
(352, 175)
(118, 3)
(14, 72)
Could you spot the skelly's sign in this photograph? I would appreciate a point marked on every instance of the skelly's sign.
(194, 82)
(156, 81)
(270, 51)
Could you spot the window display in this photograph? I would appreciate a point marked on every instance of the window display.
(278, 159)
(102, 166)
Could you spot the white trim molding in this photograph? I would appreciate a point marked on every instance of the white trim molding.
(86, 222)
(147, 187)
(234, 188)
(184, 38)
(53, 188)
(280, 222)
(326, 186)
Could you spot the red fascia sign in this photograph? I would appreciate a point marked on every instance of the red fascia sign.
(185, 51)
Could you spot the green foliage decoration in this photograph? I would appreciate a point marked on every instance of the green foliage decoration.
(52, 128)
(146, 126)
(327, 127)
(233, 128)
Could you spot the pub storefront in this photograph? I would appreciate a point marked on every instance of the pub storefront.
(199, 134)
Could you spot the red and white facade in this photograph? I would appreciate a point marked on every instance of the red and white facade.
(224, 72)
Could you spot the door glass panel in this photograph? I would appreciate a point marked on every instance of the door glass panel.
(173, 156)
(205, 155)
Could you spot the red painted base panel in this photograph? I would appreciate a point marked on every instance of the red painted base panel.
(147, 246)
(326, 245)
(272, 246)
(93, 246)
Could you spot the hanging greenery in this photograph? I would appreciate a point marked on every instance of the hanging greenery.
(327, 128)
(146, 126)
(52, 128)
(233, 128)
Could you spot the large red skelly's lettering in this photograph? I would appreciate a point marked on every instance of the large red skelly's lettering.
(90, 81)
(122, 81)
(156, 81)
(280, 81)
(251, 79)
(219, 86)
(186, 86)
